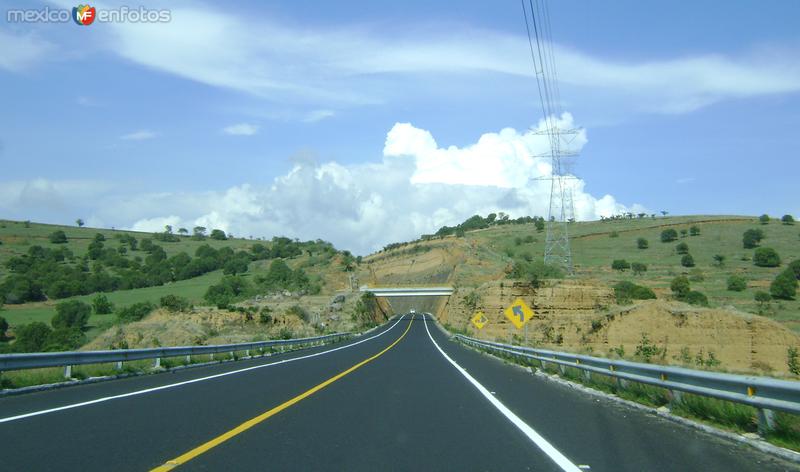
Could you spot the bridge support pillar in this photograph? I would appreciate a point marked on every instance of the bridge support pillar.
(766, 421)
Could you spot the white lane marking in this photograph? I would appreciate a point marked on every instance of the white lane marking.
(186, 382)
(541, 442)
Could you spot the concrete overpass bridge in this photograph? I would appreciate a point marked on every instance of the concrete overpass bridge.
(391, 292)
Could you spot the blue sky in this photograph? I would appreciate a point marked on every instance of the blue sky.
(289, 118)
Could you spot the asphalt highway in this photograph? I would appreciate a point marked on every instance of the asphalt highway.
(403, 397)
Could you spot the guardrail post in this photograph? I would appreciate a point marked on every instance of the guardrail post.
(157, 363)
(766, 421)
(247, 352)
(233, 355)
(563, 369)
(587, 374)
(675, 397)
(67, 371)
(212, 356)
(188, 358)
(119, 365)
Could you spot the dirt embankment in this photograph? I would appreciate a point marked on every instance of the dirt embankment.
(581, 316)
(203, 326)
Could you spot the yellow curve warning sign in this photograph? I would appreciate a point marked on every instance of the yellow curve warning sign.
(518, 313)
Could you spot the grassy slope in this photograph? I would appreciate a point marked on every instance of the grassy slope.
(493, 249)
(16, 239)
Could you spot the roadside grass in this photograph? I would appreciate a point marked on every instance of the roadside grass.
(721, 414)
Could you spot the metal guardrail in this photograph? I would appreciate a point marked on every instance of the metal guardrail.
(68, 359)
(764, 393)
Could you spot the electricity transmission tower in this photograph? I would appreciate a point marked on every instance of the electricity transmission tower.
(561, 209)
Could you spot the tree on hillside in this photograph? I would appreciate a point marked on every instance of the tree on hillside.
(539, 223)
(620, 265)
(694, 230)
(764, 219)
(682, 248)
(58, 237)
(669, 235)
(687, 260)
(751, 238)
(784, 286)
(168, 229)
(638, 268)
(71, 314)
(795, 267)
(199, 233)
(762, 298)
(79, 222)
(101, 305)
(664, 213)
(218, 235)
(642, 243)
(183, 231)
(31, 337)
(680, 286)
(3, 328)
(737, 283)
(787, 219)
(684, 232)
(719, 260)
(766, 257)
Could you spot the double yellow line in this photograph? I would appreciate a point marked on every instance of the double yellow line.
(205, 447)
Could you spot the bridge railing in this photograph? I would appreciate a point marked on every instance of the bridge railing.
(68, 359)
(764, 393)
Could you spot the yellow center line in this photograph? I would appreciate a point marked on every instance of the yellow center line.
(186, 457)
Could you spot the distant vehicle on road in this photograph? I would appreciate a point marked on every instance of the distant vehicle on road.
(413, 311)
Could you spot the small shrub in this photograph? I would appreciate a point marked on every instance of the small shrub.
(719, 260)
(787, 220)
(669, 235)
(285, 333)
(680, 286)
(766, 257)
(626, 291)
(613, 234)
(795, 267)
(175, 303)
(300, 312)
(762, 298)
(135, 312)
(763, 219)
(101, 305)
(687, 260)
(642, 243)
(265, 315)
(737, 283)
(638, 268)
(682, 248)
(751, 238)
(792, 361)
(696, 298)
(646, 350)
(57, 237)
(694, 231)
(684, 232)
(620, 265)
(696, 275)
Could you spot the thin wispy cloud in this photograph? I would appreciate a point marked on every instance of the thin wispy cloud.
(241, 129)
(140, 135)
(684, 180)
(318, 115)
(346, 66)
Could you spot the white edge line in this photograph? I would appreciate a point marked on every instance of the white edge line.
(186, 382)
(537, 439)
